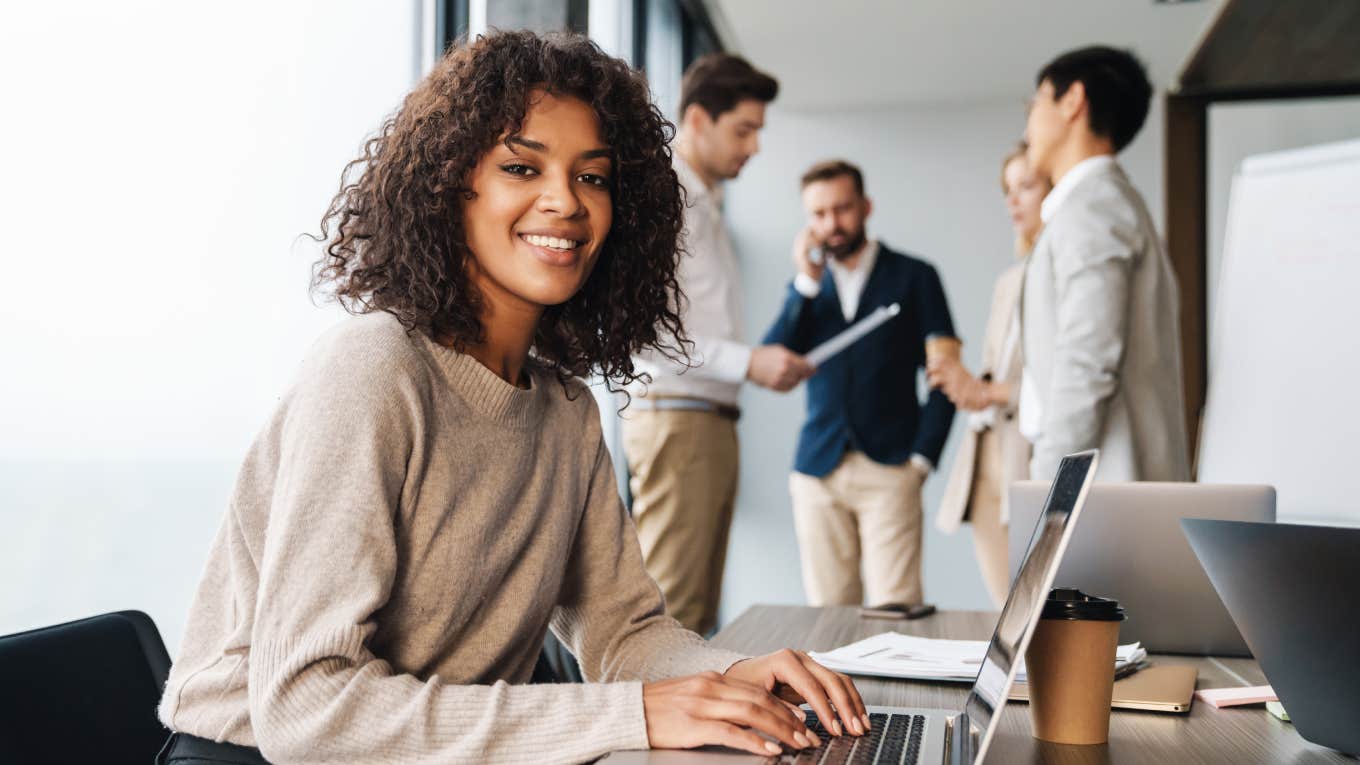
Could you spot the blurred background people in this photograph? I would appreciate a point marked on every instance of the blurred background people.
(992, 452)
(680, 432)
(1100, 316)
(866, 448)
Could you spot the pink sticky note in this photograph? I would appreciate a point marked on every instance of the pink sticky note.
(1233, 697)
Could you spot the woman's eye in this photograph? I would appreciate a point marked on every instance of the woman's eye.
(515, 168)
(597, 180)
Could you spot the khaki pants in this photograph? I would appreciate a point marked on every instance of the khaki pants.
(861, 516)
(683, 467)
(984, 512)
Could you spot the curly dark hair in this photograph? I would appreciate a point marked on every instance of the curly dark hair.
(394, 236)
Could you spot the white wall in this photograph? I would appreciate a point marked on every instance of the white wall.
(162, 159)
(933, 174)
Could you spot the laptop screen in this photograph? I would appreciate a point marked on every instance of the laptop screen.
(1028, 594)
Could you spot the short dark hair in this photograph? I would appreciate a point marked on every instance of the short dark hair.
(719, 81)
(833, 168)
(1117, 89)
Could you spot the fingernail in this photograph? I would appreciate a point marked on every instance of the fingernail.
(816, 742)
(867, 725)
(836, 728)
(857, 725)
(801, 739)
(801, 714)
(772, 747)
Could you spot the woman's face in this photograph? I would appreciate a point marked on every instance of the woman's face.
(542, 207)
(1024, 194)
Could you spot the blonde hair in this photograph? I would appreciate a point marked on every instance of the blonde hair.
(1023, 244)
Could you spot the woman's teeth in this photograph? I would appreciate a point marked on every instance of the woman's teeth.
(551, 242)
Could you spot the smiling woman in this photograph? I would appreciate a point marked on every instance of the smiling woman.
(459, 170)
(433, 494)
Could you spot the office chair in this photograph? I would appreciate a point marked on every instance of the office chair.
(84, 691)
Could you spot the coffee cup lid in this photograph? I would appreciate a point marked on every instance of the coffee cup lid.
(1073, 604)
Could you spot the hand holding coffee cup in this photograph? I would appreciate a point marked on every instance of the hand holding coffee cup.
(942, 348)
(1069, 667)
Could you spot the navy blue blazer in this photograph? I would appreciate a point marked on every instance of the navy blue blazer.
(865, 398)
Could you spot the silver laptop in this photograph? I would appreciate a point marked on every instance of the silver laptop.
(1130, 548)
(905, 736)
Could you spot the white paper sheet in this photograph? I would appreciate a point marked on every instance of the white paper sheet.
(848, 336)
(892, 654)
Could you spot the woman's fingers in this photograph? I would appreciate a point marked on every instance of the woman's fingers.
(771, 718)
(727, 734)
(844, 695)
(819, 685)
(794, 673)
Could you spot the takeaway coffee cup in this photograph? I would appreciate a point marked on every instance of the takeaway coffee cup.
(1070, 667)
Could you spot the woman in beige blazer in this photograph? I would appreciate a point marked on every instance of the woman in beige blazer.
(993, 453)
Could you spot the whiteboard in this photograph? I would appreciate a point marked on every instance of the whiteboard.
(1283, 402)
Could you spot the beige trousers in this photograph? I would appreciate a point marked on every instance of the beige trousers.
(859, 532)
(683, 468)
(984, 513)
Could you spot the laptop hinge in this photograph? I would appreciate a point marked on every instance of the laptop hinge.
(958, 743)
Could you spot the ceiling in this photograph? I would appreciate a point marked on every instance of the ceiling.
(863, 53)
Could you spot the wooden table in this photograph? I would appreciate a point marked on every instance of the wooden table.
(1205, 735)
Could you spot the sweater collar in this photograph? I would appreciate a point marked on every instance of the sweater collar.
(486, 393)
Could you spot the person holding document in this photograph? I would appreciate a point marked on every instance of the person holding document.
(868, 443)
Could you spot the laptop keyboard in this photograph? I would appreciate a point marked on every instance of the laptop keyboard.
(892, 738)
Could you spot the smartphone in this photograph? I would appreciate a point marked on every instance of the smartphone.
(897, 611)
(816, 256)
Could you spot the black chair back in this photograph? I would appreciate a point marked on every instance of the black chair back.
(84, 691)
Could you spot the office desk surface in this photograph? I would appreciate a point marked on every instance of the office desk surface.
(1205, 735)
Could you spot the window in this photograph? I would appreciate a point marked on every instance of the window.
(164, 159)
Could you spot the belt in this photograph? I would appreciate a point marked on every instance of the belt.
(726, 411)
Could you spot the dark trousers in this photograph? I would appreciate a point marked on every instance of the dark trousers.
(184, 749)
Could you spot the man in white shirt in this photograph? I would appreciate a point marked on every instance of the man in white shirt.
(868, 442)
(680, 432)
(1100, 307)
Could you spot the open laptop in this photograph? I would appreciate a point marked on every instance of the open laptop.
(1295, 592)
(1130, 548)
(904, 736)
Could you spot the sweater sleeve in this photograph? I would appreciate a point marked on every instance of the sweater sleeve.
(317, 691)
(611, 613)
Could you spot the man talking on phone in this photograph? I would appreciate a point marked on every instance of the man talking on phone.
(868, 443)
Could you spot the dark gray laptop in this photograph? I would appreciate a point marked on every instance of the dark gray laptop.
(904, 736)
(1130, 548)
(1294, 591)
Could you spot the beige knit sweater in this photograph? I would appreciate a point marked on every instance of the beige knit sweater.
(402, 534)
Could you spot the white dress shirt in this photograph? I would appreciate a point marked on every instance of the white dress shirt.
(1031, 408)
(711, 280)
(850, 283)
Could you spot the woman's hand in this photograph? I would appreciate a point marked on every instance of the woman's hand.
(795, 677)
(710, 708)
(959, 385)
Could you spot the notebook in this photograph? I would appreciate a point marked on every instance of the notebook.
(1158, 688)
